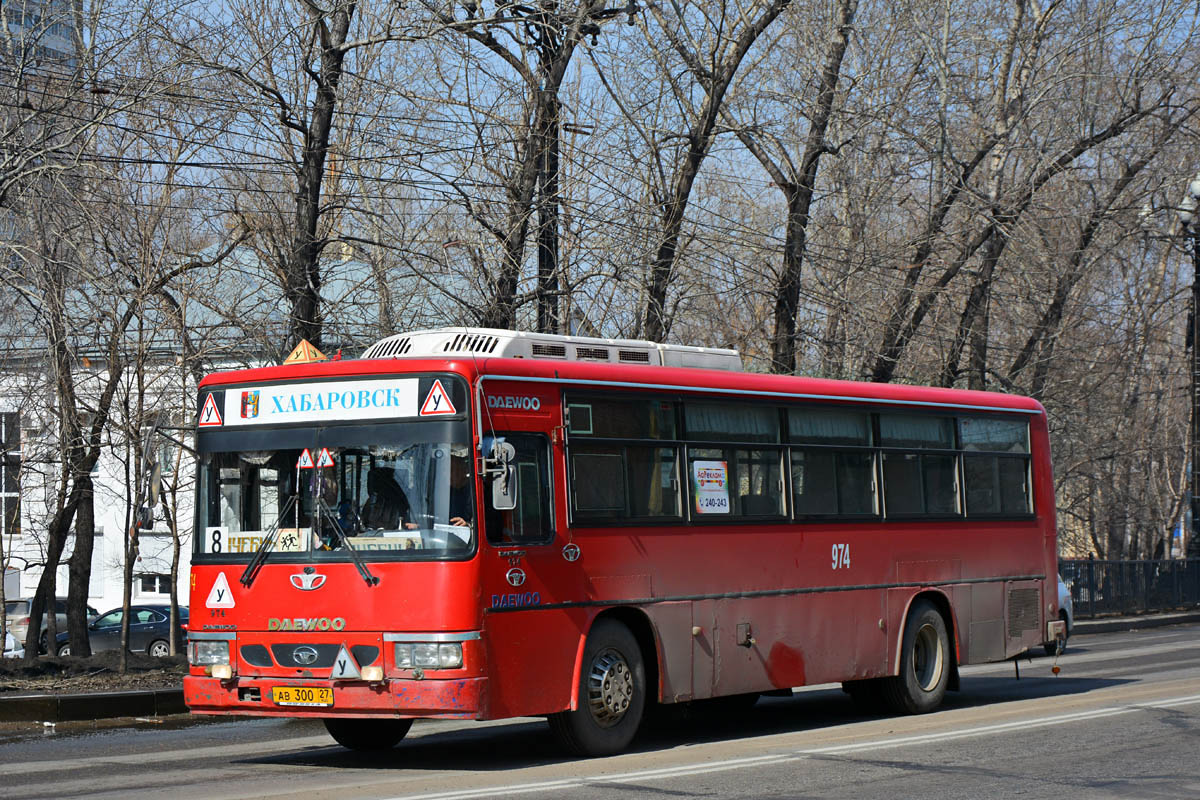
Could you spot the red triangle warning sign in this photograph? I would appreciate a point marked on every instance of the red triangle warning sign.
(437, 402)
(209, 413)
(325, 459)
(305, 460)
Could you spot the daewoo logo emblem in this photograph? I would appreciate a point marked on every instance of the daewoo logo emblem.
(307, 581)
(305, 655)
(515, 576)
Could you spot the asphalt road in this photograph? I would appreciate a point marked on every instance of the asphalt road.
(1121, 720)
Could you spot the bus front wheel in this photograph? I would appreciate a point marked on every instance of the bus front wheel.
(367, 734)
(924, 663)
(612, 694)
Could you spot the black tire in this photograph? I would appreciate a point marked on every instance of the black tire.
(368, 735)
(43, 643)
(64, 651)
(925, 663)
(612, 694)
(158, 648)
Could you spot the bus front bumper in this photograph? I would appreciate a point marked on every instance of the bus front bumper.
(460, 698)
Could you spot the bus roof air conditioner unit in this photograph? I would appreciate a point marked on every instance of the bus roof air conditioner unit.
(481, 342)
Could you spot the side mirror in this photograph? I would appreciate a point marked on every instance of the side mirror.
(501, 464)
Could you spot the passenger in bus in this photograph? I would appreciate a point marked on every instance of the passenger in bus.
(461, 488)
(386, 505)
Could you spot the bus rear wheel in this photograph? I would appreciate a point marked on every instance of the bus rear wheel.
(924, 663)
(368, 734)
(612, 694)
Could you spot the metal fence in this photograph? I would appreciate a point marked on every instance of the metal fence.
(1131, 587)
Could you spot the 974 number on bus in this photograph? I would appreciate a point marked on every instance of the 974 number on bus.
(841, 556)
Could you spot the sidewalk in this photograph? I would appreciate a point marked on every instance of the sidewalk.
(1113, 624)
(160, 702)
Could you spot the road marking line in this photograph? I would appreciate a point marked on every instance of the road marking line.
(247, 750)
(780, 758)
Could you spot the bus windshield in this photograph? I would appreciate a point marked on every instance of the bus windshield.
(403, 499)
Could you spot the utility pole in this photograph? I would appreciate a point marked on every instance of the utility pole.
(1191, 227)
(1193, 542)
(548, 202)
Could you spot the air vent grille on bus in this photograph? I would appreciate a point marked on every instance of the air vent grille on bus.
(1022, 612)
(390, 347)
(592, 353)
(635, 356)
(471, 343)
(541, 350)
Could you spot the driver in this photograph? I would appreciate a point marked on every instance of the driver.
(386, 504)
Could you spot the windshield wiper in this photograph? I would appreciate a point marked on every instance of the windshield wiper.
(264, 547)
(345, 540)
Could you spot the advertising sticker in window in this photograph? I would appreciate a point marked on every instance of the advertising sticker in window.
(710, 487)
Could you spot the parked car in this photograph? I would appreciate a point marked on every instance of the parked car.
(1066, 612)
(12, 648)
(16, 612)
(149, 630)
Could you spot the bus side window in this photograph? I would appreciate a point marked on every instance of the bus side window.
(532, 521)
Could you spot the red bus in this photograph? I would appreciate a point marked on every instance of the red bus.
(481, 524)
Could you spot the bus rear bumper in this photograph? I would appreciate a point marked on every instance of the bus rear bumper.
(461, 698)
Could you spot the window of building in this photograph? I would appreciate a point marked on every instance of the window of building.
(10, 474)
(153, 583)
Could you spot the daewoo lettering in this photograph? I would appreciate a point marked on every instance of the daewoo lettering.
(519, 402)
(516, 600)
(306, 624)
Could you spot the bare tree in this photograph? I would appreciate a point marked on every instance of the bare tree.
(797, 182)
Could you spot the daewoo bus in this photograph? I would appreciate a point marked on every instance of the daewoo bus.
(480, 524)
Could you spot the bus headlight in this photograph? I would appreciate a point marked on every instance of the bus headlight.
(429, 655)
(450, 655)
(206, 654)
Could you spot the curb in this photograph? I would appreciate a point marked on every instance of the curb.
(1116, 624)
(101, 705)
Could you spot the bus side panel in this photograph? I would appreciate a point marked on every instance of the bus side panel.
(677, 648)
(780, 643)
(1025, 629)
(985, 628)
(532, 657)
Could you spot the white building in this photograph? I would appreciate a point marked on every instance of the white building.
(29, 474)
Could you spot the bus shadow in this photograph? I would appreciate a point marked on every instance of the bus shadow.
(528, 743)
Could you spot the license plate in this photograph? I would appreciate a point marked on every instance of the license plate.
(302, 696)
